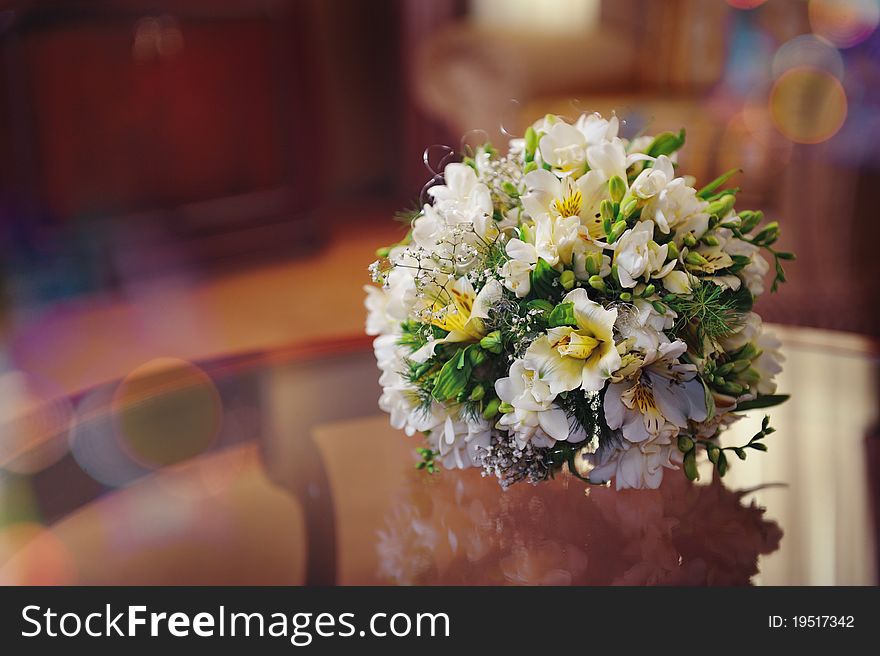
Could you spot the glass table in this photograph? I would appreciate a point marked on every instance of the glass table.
(278, 468)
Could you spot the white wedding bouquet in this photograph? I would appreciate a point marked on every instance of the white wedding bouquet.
(576, 302)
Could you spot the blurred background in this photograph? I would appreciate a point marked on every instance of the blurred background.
(187, 185)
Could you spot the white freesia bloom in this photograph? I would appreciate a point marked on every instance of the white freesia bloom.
(535, 418)
(677, 207)
(638, 466)
(459, 440)
(463, 192)
(517, 271)
(583, 356)
(597, 129)
(637, 255)
(556, 238)
(653, 180)
(609, 158)
(564, 148)
(379, 322)
(660, 397)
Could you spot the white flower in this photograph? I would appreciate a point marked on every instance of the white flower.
(597, 129)
(462, 193)
(660, 397)
(638, 466)
(678, 282)
(753, 273)
(556, 238)
(564, 148)
(518, 269)
(653, 180)
(637, 255)
(461, 311)
(379, 322)
(768, 362)
(583, 356)
(609, 158)
(535, 417)
(460, 439)
(548, 194)
(677, 207)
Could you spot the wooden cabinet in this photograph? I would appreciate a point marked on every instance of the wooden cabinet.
(186, 121)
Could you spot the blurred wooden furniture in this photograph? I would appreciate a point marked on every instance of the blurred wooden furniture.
(136, 127)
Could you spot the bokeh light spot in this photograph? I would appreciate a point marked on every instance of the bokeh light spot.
(844, 23)
(808, 105)
(808, 50)
(166, 411)
(31, 554)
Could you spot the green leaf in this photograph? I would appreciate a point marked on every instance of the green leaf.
(666, 143)
(706, 191)
(542, 279)
(758, 446)
(722, 464)
(763, 401)
(740, 452)
(562, 315)
(453, 377)
(690, 465)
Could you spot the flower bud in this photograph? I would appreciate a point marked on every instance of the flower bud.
(566, 279)
(722, 206)
(672, 252)
(629, 207)
(714, 454)
(477, 393)
(616, 188)
(592, 263)
(596, 282)
(689, 240)
(695, 259)
(617, 229)
(749, 219)
(505, 407)
(768, 235)
(710, 240)
(492, 342)
(491, 408)
(626, 296)
(685, 443)
(531, 138)
(729, 387)
(649, 290)
(739, 366)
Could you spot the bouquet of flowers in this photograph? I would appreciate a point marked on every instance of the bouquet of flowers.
(576, 302)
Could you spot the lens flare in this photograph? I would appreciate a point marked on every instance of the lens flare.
(35, 418)
(31, 554)
(808, 105)
(808, 50)
(95, 445)
(845, 23)
(167, 411)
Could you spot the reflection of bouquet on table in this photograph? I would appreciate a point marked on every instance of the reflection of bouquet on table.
(575, 301)
(456, 530)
